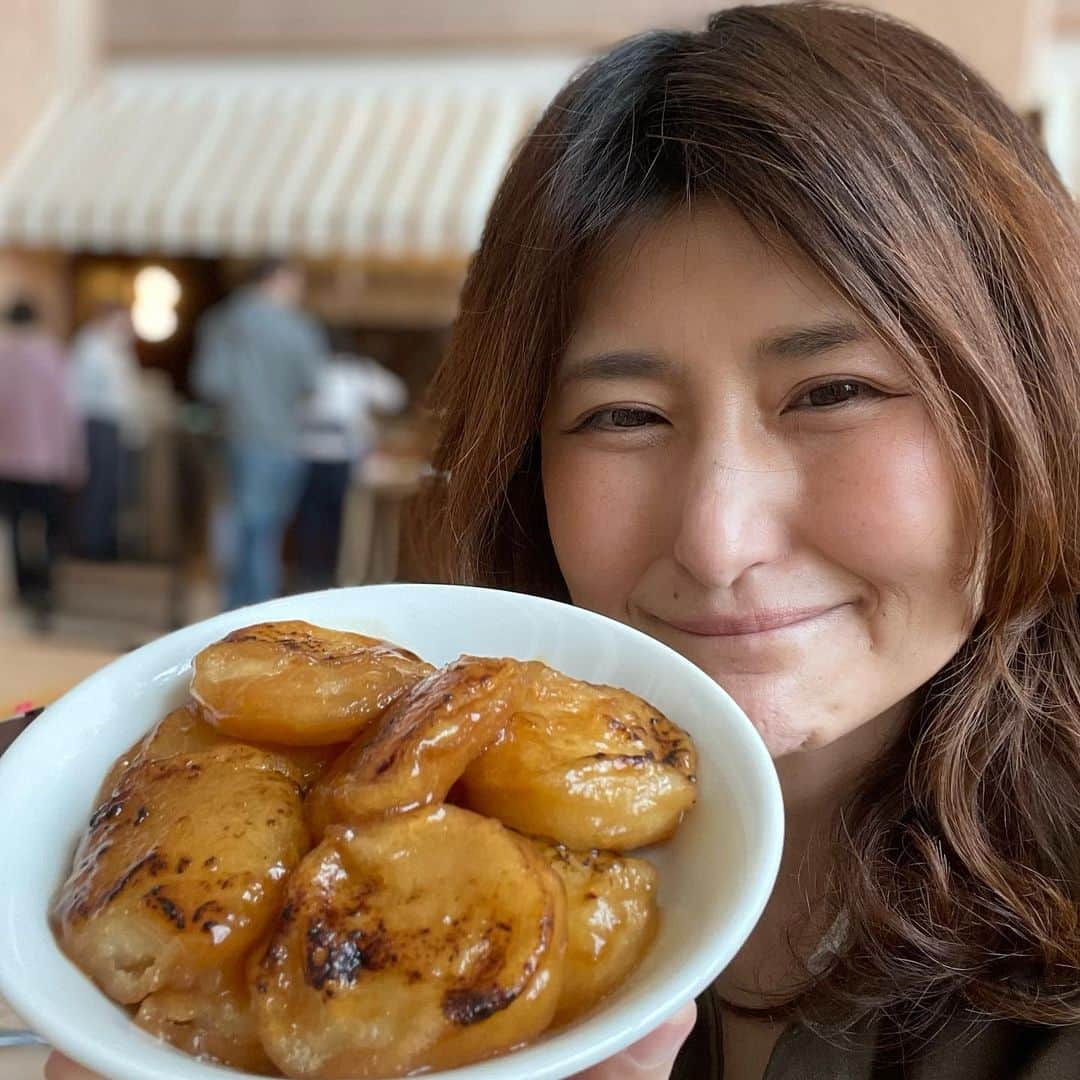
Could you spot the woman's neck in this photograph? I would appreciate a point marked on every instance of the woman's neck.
(815, 783)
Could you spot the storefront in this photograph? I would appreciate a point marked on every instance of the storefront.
(159, 181)
(376, 171)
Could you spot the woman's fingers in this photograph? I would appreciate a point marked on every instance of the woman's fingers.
(59, 1067)
(650, 1058)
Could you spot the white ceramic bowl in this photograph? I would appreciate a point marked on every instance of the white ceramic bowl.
(715, 875)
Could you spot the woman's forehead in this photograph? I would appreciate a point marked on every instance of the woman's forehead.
(704, 272)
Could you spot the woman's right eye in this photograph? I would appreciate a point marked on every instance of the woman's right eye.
(620, 418)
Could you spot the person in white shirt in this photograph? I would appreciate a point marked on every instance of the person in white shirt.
(106, 390)
(339, 431)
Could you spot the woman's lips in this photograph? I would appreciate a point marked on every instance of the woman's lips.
(756, 622)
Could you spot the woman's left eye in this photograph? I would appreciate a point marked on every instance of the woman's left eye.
(620, 418)
(838, 392)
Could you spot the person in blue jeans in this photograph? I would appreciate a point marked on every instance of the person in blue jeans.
(266, 484)
(258, 357)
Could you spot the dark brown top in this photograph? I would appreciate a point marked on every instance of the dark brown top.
(995, 1050)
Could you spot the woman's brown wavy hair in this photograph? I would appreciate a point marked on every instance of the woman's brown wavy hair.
(932, 208)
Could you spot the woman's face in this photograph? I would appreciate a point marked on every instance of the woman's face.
(735, 465)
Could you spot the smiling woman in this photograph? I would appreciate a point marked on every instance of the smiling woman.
(770, 349)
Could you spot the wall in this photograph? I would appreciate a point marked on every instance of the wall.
(1000, 38)
(149, 24)
(26, 72)
(997, 36)
(46, 47)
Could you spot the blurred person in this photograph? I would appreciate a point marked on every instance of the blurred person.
(41, 450)
(105, 379)
(340, 430)
(258, 357)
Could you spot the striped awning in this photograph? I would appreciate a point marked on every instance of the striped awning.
(394, 157)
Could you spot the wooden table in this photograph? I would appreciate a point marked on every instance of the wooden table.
(37, 671)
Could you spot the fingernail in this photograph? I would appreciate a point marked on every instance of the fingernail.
(658, 1048)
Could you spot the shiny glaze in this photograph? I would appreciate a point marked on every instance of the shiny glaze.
(421, 747)
(588, 766)
(181, 870)
(430, 938)
(302, 685)
(612, 920)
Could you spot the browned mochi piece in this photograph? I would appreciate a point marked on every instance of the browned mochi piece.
(185, 731)
(181, 870)
(611, 920)
(421, 746)
(587, 766)
(298, 684)
(422, 940)
(212, 1020)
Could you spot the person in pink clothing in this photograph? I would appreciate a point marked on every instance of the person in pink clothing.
(41, 450)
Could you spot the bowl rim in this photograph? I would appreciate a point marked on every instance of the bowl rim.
(35, 1007)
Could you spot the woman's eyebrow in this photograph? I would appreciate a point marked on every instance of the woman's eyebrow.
(795, 344)
(807, 341)
(614, 365)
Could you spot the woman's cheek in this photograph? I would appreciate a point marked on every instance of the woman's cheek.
(602, 515)
(885, 509)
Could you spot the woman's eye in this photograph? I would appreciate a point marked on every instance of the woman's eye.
(826, 395)
(623, 418)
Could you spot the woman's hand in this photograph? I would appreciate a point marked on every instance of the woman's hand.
(59, 1067)
(650, 1058)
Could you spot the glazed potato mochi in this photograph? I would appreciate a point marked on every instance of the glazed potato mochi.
(162, 891)
(418, 934)
(611, 921)
(426, 939)
(422, 745)
(212, 1019)
(302, 685)
(185, 731)
(587, 766)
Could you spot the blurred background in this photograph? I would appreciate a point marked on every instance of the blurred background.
(290, 190)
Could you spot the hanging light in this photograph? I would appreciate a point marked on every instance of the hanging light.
(153, 314)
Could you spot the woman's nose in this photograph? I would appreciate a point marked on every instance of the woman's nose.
(734, 516)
